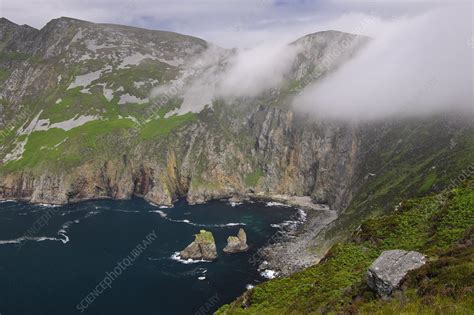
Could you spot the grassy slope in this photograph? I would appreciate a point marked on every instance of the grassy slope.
(163, 126)
(56, 148)
(59, 149)
(432, 225)
(68, 148)
(411, 159)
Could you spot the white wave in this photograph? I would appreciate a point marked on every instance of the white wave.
(291, 224)
(66, 225)
(7, 200)
(285, 224)
(62, 232)
(91, 213)
(49, 205)
(31, 238)
(201, 278)
(235, 204)
(161, 213)
(160, 206)
(127, 211)
(165, 216)
(303, 215)
(177, 257)
(249, 287)
(276, 204)
(154, 259)
(269, 274)
(226, 224)
(13, 241)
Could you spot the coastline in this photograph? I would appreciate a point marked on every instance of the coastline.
(300, 202)
(292, 248)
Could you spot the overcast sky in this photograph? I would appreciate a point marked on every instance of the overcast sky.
(227, 23)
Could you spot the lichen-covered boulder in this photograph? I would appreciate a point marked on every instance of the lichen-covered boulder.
(202, 248)
(387, 271)
(237, 244)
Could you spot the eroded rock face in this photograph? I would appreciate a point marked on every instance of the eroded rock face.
(387, 271)
(203, 247)
(237, 244)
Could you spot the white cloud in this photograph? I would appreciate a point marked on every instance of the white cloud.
(418, 62)
(252, 71)
(413, 66)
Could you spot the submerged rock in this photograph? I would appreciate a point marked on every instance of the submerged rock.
(237, 244)
(202, 248)
(388, 270)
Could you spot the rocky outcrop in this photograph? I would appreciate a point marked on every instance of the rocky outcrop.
(202, 248)
(237, 244)
(388, 270)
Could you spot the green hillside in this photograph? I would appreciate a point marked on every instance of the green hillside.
(440, 226)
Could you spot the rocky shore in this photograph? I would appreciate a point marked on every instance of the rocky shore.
(291, 248)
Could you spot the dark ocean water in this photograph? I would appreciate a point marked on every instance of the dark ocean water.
(52, 258)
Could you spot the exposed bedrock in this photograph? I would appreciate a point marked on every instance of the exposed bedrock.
(270, 152)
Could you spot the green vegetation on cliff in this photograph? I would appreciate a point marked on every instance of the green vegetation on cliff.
(251, 179)
(163, 126)
(73, 102)
(440, 226)
(205, 237)
(4, 74)
(64, 149)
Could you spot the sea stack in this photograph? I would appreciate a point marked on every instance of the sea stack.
(237, 244)
(202, 248)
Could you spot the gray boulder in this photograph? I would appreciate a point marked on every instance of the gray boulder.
(237, 244)
(388, 270)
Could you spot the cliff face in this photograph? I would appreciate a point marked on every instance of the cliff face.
(201, 165)
(79, 122)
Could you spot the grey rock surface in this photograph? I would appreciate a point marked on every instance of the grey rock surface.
(388, 270)
(237, 244)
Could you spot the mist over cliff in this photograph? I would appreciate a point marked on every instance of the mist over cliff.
(414, 66)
